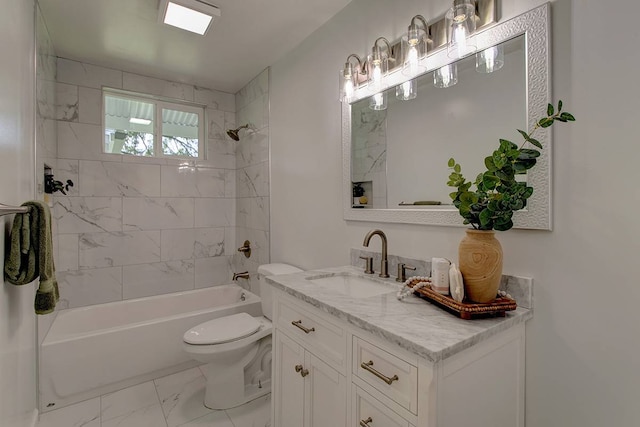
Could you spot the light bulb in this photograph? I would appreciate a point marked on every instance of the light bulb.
(460, 37)
(446, 75)
(412, 59)
(348, 90)
(378, 101)
(376, 77)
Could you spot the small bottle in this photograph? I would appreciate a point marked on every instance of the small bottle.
(440, 275)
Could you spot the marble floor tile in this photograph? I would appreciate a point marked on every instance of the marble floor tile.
(128, 400)
(256, 413)
(150, 416)
(182, 396)
(83, 414)
(214, 419)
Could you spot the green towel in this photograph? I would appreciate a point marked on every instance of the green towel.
(31, 255)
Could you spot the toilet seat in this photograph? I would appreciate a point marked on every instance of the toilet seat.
(222, 330)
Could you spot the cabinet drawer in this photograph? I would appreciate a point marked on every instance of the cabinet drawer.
(307, 325)
(370, 412)
(389, 374)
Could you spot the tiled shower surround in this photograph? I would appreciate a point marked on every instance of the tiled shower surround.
(133, 227)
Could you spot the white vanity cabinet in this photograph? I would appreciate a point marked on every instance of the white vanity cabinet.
(309, 369)
(330, 373)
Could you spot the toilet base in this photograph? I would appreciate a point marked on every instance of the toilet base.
(241, 382)
(251, 392)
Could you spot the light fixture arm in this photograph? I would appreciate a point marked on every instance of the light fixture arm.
(413, 25)
(361, 65)
(376, 52)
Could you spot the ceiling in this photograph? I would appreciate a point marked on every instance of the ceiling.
(125, 34)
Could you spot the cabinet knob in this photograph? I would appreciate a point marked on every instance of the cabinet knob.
(302, 371)
(365, 423)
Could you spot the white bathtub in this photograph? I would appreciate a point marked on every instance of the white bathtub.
(90, 351)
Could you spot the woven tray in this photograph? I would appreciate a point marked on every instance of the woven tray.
(467, 310)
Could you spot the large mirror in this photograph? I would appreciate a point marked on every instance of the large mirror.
(397, 157)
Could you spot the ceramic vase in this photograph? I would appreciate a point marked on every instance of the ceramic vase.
(480, 262)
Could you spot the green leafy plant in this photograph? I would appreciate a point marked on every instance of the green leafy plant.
(497, 193)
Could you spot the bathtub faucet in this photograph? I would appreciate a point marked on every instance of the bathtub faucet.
(243, 275)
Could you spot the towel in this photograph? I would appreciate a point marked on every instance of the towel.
(31, 255)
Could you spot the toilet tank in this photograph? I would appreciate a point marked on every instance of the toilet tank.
(265, 289)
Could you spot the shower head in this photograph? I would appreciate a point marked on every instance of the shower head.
(234, 133)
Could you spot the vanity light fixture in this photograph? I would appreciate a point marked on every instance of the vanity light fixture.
(191, 15)
(461, 26)
(490, 60)
(350, 77)
(378, 67)
(446, 76)
(414, 46)
(378, 64)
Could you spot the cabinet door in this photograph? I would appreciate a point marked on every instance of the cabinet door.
(288, 400)
(325, 395)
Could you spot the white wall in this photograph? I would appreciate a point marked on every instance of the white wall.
(583, 367)
(17, 317)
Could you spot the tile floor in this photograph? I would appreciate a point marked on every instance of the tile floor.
(171, 401)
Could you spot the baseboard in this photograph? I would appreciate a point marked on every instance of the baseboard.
(34, 418)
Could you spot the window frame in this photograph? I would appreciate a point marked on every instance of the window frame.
(159, 103)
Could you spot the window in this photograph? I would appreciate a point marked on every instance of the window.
(149, 127)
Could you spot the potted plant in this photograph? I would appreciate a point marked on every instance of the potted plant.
(491, 203)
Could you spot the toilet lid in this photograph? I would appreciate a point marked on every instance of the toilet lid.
(223, 329)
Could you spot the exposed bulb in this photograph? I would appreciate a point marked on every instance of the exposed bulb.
(378, 101)
(460, 37)
(446, 75)
(376, 76)
(349, 90)
(412, 59)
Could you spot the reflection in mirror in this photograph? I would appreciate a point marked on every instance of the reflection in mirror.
(399, 155)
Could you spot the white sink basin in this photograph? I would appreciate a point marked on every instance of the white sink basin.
(351, 285)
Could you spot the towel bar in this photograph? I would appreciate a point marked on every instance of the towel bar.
(8, 210)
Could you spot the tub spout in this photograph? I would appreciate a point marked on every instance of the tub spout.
(243, 275)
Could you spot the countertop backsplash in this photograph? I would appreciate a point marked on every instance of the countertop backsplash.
(520, 288)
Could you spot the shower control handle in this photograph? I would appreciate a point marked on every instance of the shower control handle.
(245, 248)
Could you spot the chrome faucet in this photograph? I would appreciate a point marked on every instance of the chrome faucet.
(243, 275)
(384, 264)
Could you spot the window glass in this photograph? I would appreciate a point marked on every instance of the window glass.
(180, 133)
(129, 126)
(143, 126)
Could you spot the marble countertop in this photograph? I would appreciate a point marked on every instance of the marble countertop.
(413, 323)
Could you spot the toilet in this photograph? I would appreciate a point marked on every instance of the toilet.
(237, 350)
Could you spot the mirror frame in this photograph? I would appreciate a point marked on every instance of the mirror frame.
(535, 26)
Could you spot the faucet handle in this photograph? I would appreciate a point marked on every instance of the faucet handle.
(402, 271)
(368, 261)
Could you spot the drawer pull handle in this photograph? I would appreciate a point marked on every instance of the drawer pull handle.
(365, 423)
(298, 324)
(303, 372)
(367, 366)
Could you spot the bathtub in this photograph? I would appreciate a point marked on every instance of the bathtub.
(90, 351)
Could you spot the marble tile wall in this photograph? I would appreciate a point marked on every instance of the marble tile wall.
(134, 227)
(45, 134)
(369, 155)
(252, 176)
